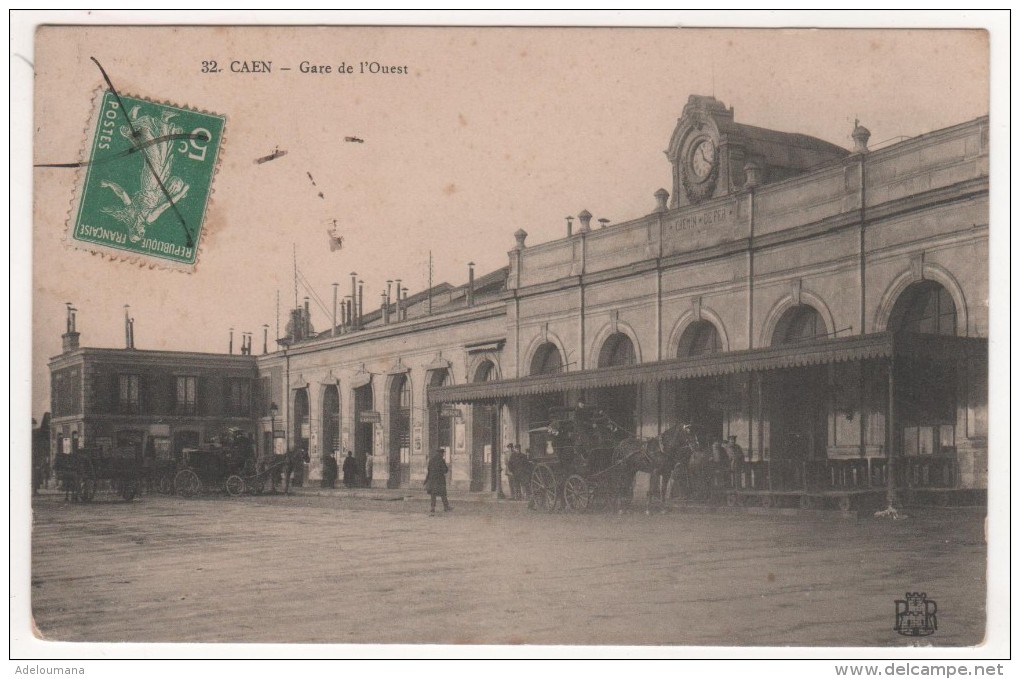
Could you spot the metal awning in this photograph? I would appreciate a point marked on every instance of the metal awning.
(813, 352)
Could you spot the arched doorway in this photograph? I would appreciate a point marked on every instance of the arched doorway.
(926, 389)
(618, 403)
(799, 397)
(364, 431)
(701, 401)
(400, 431)
(331, 423)
(302, 429)
(485, 443)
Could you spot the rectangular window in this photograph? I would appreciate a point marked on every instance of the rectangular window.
(240, 397)
(187, 395)
(128, 399)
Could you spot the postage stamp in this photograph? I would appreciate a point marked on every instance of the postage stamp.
(147, 181)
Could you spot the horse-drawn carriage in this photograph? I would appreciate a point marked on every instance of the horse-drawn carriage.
(223, 465)
(83, 471)
(579, 468)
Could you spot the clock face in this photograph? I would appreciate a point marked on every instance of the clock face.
(702, 159)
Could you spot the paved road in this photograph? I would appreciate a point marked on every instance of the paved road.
(342, 570)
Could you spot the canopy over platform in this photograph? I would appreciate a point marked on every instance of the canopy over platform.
(813, 352)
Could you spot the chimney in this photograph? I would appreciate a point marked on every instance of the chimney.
(361, 302)
(332, 328)
(265, 338)
(354, 297)
(603, 222)
(384, 307)
(131, 333)
(471, 284)
(585, 218)
(230, 346)
(71, 337)
(570, 227)
(860, 135)
(398, 300)
(404, 306)
(661, 196)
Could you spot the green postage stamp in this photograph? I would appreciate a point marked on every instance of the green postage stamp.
(148, 180)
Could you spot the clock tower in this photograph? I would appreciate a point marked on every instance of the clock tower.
(710, 153)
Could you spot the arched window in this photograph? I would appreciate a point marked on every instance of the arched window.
(405, 393)
(617, 350)
(924, 307)
(547, 360)
(699, 339)
(797, 324)
(486, 372)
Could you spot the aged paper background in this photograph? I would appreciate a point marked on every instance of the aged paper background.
(491, 130)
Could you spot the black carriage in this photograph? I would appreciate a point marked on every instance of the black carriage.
(121, 468)
(224, 465)
(576, 470)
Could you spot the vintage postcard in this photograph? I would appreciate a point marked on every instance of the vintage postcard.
(517, 336)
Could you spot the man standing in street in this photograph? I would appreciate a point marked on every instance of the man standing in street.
(350, 470)
(435, 480)
(329, 471)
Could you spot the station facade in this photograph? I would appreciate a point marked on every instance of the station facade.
(825, 306)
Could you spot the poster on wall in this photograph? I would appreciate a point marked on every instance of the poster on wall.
(459, 437)
(417, 438)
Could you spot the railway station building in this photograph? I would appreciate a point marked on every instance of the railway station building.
(826, 306)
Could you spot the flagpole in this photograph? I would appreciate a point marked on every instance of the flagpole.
(430, 282)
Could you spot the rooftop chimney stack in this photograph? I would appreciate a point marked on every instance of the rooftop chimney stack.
(127, 326)
(361, 302)
(71, 337)
(131, 333)
(384, 307)
(570, 227)
(603, 222)
(354, 298)
(265, 338)
(403, 307)
(332, 328)
(585, 218)
(471, 284)
(397, 313)
(230, 345)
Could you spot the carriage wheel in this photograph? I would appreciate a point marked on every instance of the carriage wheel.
(166, 485)
(129, 490)
(577, 494)
(87, 488)
(187, 483)
(543, 488)
(235, 485)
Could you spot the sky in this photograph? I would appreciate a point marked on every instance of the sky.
(489, 131)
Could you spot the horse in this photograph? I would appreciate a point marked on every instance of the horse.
(658, 457)
(290, 463)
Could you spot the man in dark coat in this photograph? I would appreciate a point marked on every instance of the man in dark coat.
(350, 470)
(435, 480)
(329, 471)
